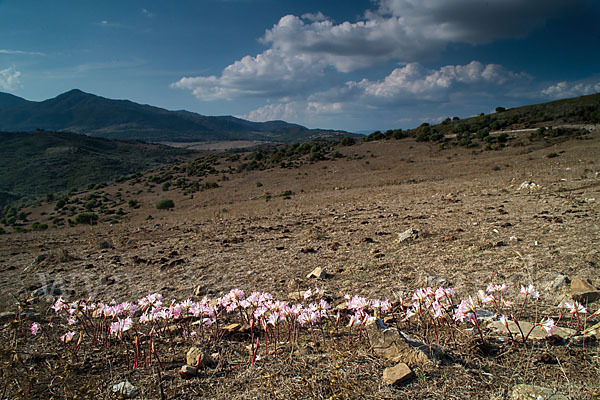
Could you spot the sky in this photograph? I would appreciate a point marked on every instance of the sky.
(354, 65)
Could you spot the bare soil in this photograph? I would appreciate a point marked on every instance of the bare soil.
(475, 227)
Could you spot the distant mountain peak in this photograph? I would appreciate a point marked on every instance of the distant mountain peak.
(81, 112)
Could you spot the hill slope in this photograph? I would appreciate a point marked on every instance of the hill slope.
(36, 163)
(81, 112)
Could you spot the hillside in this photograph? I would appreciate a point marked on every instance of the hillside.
(569, 116)
(80, 112)
(41, 162)
(262, 221)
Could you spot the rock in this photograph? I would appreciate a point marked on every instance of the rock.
(485, 315)
(48, 290)
(531, 392)
(538, 333)
(391, 344)
(583, 291)
(196, 358)
(200, 291)
(308, 250)
(408, 234)
(105, 245)
(125, 390)
(232, 327)
(581, 285)
(560, 281)
(187, 372)
(397, 374)
(318, 273)
(7, 316)
(435, 281)
(297, 295)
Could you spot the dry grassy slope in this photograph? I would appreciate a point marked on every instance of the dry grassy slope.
(232, 237)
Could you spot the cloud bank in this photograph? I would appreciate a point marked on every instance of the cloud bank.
(9, 79)
(302, 70)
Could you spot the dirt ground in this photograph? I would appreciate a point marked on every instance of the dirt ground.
(476, 226)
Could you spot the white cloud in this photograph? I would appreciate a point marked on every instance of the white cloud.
(314, 17)
(572, 89)
(147, 13)
(21, 52)
(472, 21)
(302, 50)
(9, 79)
(284, 111)
(267, 74)
(414, 81)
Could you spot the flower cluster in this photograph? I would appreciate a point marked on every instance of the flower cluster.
(436, 311)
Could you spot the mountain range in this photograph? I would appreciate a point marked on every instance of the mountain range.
(80, 112)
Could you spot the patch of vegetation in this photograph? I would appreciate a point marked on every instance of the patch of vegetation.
(86, 218)
(165, 204)
(475, 131)
(37, 163)
(36, 226)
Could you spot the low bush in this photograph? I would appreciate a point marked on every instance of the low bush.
(165, 204)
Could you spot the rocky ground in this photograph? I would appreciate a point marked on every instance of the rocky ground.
(471, 220)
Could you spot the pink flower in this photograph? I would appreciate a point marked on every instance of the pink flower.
(67, 337)
(531, 291)
(575, 307)
(120, 326)
(548, 326)
(35, 328)
(59, 305)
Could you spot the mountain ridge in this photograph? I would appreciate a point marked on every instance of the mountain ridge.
(93, 115)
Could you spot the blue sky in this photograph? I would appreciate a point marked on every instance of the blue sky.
(347, 64)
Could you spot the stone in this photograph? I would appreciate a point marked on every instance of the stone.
(105, 245)
(538, 333)
(197, 358)
(233, 327)
(583, 291)
(392, 345)
(318, 273)
(581, 285)
(532, 392)
(408, 234)
(200, 291)
(125, 390)
(187, 372)
(397, 374)
(560, 281)
(48, 290)
(7, 316)
(297, 295)
(436, 281)
(485, 315)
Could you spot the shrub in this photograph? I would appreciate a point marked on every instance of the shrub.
(39, 227)
(347, 141)
(552, 155)
(165, 204)
(165, 186)
(210, 185)
(60, 204)
(86, 218)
